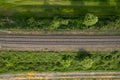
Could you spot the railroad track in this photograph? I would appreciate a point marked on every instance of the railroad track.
(63, 76)
(58, 42)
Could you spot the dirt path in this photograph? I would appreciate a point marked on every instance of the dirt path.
(63, 76)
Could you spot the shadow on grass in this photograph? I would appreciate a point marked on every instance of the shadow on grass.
(82, 54)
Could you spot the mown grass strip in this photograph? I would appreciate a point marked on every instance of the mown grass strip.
(77, 7)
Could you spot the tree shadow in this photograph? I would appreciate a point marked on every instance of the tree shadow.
(82, 54)
(81, 7)
(46, 2)
(78, 7)
(117, 7)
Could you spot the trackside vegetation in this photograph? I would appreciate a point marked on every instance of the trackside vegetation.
(82, 23)
(47, 15)
(14, 62)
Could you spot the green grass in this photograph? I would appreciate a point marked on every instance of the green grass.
(14, 62)
(62, 8)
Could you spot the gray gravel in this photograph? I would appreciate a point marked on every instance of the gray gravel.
(58, 42)
(63, 76)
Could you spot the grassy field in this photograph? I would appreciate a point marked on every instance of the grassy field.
(12, 62)
(59, 7)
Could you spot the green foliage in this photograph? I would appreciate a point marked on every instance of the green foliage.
(107, 61)
(37, 15)
(66, 63)
(58, 61)
(66, 60)
(87, 63)
(31, 23)
(107, 25)
(55, 23)
(90, 19)
(2, 24)
(110, 25)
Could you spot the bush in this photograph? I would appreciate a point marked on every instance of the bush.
(55, 24)
(87, 63)
(58, 23)
(90, 19)
(81, 23)
(31, 23)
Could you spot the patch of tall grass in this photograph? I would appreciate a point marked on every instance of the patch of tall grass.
(11, 62)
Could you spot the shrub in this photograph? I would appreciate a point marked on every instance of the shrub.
(66, 63)
(90, 19)
(55, 24)
(58, 23)
(87, 63)
(2, 24)
(31, 22)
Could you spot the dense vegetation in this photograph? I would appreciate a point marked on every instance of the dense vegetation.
(59, 61)
(53, 15)
(82, 23)
(60, 14)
